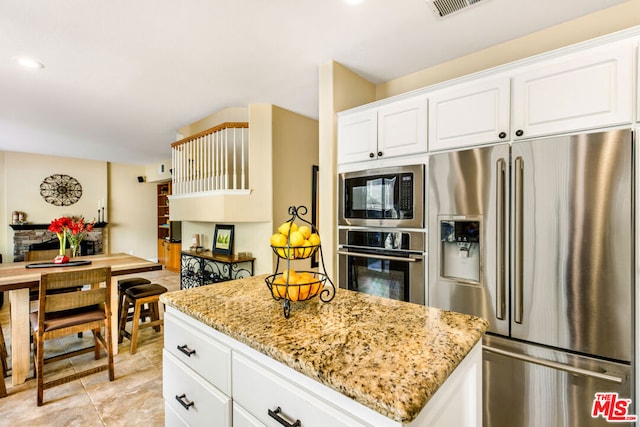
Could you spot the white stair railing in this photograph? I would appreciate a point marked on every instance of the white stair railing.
(213, 160)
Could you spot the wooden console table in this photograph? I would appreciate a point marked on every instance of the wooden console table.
(204, 268)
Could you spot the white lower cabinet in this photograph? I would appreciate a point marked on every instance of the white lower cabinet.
(214, 380)
(269, 397)
(242, 418)
(194, 399)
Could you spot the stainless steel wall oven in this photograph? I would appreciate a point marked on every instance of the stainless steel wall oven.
(383, 263)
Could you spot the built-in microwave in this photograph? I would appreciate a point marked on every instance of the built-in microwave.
(385, 197)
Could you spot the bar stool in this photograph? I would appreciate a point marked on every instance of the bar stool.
(123, 285)
(137, 296)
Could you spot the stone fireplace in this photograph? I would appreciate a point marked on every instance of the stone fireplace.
(25, 235)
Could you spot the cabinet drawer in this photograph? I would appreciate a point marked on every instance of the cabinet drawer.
(202, 403)
(209, 358)
(171, 417)
(258, 390)
(241, 418)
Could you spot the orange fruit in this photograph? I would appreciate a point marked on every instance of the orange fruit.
(278, 288)
(315, 288)
(304, 292)
(293, 292)
(305, 277)
(289, 276)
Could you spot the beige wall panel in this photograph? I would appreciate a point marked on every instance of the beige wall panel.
(132, 213)
(23, 173)
(339, 89)
(152, 172)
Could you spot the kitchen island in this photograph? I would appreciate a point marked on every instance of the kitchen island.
(357, 360)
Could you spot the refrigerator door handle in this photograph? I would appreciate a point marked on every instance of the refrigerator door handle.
(559, 366)
(500, 223)
(518, 258)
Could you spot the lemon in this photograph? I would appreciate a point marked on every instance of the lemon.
(296, 239)
(305, 231)
(288, 227)
(278, 240)
(314, 239)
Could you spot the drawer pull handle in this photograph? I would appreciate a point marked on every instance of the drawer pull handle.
(186, 350)
(184, 401)
(280, 418)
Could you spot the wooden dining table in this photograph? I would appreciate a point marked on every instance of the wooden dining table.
(18, 280)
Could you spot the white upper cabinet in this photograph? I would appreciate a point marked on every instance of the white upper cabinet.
(588, 89)
(357, 136)
(469, 114)
(395, 129)
(402, 127)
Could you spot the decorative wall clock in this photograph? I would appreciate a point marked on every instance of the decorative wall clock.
(61, 190)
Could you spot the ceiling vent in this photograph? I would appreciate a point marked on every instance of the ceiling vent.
(447, 7)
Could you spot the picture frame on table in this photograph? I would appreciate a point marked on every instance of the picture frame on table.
(223, 239)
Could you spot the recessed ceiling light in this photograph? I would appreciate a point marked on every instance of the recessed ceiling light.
(353, 1)
(29, 62)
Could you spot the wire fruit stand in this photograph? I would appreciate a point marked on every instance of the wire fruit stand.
(290, 285)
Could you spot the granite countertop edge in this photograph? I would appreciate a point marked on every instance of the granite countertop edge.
(388, 355)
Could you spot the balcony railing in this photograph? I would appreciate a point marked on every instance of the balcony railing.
(213, 160)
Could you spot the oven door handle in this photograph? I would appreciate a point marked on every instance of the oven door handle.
(413, 258)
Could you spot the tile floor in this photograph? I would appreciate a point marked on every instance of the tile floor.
(134, 398)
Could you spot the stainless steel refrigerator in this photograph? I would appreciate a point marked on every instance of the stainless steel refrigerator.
(538, 238)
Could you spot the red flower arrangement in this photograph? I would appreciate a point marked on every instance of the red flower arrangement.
(73, 228)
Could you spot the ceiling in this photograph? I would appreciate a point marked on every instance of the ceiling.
(122, 76)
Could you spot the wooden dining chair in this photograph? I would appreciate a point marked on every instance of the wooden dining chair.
(44, 255)
(83, 308)
(4, 368)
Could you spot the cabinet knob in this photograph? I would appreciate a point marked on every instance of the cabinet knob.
(519, 132)
(502, 135)
(371, 155)
(379, 153)
(280, 419)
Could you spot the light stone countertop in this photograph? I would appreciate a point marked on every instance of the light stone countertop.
(390, 356)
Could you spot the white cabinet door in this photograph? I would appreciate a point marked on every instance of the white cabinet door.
(589, 89)
(357, 136)
(469, 114)
(402, 127)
